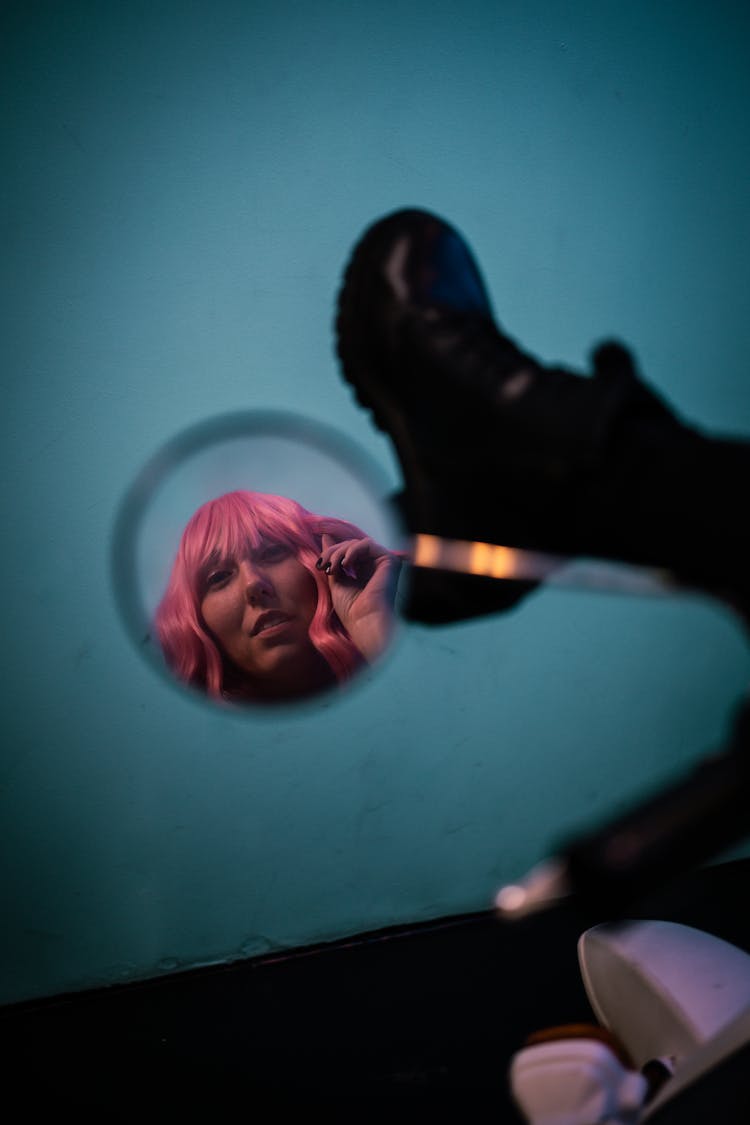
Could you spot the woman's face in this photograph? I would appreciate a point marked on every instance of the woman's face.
(259, 608)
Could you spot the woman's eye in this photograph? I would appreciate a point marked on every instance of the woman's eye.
(274, 552)
(217, 578)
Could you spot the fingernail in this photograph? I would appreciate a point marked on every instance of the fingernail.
(328, 569)
(319, 563)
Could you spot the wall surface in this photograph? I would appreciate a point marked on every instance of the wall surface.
(182, 185)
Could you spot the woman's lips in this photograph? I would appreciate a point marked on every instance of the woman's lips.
(272, 620)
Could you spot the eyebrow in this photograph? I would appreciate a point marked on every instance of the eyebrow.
(218, 557)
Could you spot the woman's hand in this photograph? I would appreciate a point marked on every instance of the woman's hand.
(362, 576)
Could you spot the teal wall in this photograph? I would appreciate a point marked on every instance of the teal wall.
(182, 185)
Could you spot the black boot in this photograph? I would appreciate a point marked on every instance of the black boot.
(498, 448)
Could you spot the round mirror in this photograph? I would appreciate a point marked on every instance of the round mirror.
(256, 560)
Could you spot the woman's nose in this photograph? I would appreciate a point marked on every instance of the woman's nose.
(258, 588)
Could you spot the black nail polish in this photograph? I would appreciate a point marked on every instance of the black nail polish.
(319, 563)
(328, 569)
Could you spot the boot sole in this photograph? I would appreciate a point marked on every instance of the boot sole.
(357, 293)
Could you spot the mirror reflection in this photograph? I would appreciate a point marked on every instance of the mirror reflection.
(268, 602)
(256, 559)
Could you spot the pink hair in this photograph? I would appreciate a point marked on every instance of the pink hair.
(225, 527)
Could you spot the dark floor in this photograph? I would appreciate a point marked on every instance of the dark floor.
(415, 1024)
